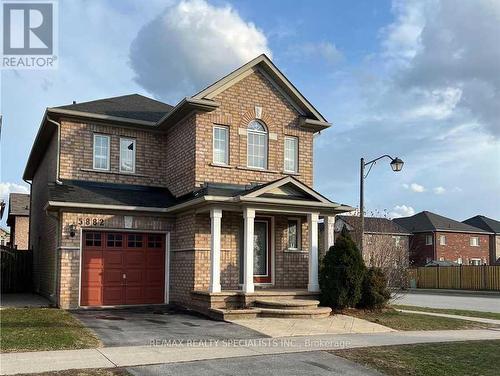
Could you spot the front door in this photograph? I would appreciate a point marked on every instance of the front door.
(262, 251)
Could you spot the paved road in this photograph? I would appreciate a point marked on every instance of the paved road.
(473, 302)
(143, 326)
(319, 363)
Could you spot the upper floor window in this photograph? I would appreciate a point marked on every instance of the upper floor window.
(101, 152)
(428, 239)
(127, 155)
(397, 240)
(257, 145)
(221, 145)
(291, 154)
(442, 240)
(474, 241)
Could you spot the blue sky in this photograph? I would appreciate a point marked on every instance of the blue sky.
(416, 79)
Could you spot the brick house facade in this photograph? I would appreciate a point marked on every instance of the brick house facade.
(19, 220)
(135, 208)
(437, 238)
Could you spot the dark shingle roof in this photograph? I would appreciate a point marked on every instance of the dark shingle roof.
(110, 194)
(427, 221)
(133, 106)
(375, 224)
(485, 223)
(19, 204)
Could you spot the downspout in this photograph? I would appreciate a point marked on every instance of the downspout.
(55, 282)
(30, 247)
(58, 148)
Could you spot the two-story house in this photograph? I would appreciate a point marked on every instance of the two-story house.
(438, 238)
(493, 227)
(206, 204)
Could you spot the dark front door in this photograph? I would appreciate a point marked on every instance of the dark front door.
(262, 262)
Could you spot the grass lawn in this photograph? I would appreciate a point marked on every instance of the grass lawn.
(459, 312)
(38, 329)
(413, 321)
(458, 358)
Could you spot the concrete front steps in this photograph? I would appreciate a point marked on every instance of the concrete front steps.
(293, 308)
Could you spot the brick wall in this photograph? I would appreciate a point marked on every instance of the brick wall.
(419, 251)
(236, 111)
(43, 228)
(20, 232)
(76, 155)
(458, 246)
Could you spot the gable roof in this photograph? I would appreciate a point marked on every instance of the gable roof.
(19, 206)
(133, 106)
(427, 222)
(485, 223)
(374, 225)
(267, 67)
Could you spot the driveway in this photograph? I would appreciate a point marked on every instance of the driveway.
(318, 363)
(451, 300)
(145, 326)
(23, 300)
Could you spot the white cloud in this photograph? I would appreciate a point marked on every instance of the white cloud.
(190, 45)
(7, 188)
(401, 211)
(439, 190)
(414, 187)
(326, 51)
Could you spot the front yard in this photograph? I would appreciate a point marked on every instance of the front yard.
(39, 329)
(458, 312)
(413, 321)
(457, 359)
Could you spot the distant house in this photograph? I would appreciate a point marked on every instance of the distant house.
(380, 236)
(490, 225)
(437, 238)
(4, 237)
(19, 219)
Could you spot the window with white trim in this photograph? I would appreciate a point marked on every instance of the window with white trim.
(442, 239)
(221, 145)
(291, 148)
(397, 240)
(428, 239)
(475, 261)
(459, 261)
(474, 241)
(127, 155)
(257, 145)
(293, 232)
(101, 152)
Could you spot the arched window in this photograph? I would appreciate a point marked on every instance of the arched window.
(257, 145)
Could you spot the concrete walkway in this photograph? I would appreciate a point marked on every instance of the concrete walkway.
(162, 353)
(336, 324)
(467, 318)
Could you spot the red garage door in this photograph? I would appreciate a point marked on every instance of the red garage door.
(121, 268)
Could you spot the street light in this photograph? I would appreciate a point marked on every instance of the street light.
(396, 166)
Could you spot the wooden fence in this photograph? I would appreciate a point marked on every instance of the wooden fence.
(16, 267)
(470, 277)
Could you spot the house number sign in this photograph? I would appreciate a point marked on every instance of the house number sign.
(91, 221)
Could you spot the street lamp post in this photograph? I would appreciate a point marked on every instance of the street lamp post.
(396, 165)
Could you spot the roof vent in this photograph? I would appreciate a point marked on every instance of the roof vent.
(74, 102)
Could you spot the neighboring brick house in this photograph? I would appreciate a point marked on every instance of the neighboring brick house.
(205, 204)
(18, 220)
(492, 226)
(385, 243)
(4, 237)
(437, 238)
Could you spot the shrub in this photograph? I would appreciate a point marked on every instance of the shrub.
(341, 274)
(374, 292)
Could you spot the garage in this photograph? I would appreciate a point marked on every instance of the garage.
(122, 268)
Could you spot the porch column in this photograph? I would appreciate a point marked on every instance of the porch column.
(329, 231)
(215, 225)
(248, 216)
(312, 221)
